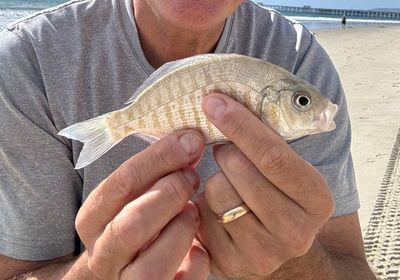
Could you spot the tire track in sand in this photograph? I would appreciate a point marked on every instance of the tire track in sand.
(382, 238)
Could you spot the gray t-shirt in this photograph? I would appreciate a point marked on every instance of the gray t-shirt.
(82, 59)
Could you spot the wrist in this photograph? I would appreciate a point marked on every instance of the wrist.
(75, 269)
(79, 269)
(315, 264)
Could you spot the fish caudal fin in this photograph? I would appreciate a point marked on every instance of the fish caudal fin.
(95, 137)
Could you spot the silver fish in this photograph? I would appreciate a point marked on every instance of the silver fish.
(170, 99)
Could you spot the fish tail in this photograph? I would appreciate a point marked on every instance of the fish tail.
(96, 138)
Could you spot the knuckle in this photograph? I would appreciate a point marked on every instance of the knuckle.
(323, 203)
(238, 127)
(299, 241)
(264, 267)
(327, 205)
(129, 235)
(329, 208)
(286, 219)
(80, 224)
(93, 267)
(265, 256)
(176, 188)
(278, 210)
(98, 268)
(217, 189)
(200, 256)
(161, 157)
(275, 159)
(83, 226)
(302, 246)
(216, 179)
(238, 163)
(261, 264)
(186, 225)
(120, 181)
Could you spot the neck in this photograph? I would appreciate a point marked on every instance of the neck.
(162, 42)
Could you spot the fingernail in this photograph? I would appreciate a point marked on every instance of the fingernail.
(190, 142)
(191, 175)
(215, 107)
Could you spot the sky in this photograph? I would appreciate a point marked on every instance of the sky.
(342, 4)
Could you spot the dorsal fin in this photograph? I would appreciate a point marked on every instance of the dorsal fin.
(172, 66)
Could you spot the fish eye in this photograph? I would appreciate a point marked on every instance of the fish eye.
(301, 101)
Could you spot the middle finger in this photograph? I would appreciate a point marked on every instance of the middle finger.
(164, 256)
(141, 220)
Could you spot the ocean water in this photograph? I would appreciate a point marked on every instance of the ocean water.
(12, 10)
(323, 22)
(8, 15)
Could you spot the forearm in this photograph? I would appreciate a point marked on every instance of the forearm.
(73, 270)
(319, 263)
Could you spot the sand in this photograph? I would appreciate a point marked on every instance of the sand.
(368, 61)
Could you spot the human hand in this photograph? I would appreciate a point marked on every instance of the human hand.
(288, 198)
(138, 223)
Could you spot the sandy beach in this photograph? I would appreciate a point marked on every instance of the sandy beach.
(368, 60)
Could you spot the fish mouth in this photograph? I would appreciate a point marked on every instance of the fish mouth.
(325, 119)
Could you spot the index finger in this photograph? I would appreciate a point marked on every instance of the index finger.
(268, 151)
(137, 175)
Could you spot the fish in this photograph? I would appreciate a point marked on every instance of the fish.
(171, 97)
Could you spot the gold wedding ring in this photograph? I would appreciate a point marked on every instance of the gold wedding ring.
(233, 214)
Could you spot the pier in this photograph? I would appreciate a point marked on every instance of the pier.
(337, 12)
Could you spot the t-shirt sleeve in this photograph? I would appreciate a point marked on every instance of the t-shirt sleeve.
(39, 188)
(329, 152)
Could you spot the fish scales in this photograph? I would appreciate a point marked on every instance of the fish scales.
(171, 99)
(188, 115)
(195, 77)
(227, 77)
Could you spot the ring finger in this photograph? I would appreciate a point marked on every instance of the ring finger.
(274, 209)
(248, 236)
(221, 197)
